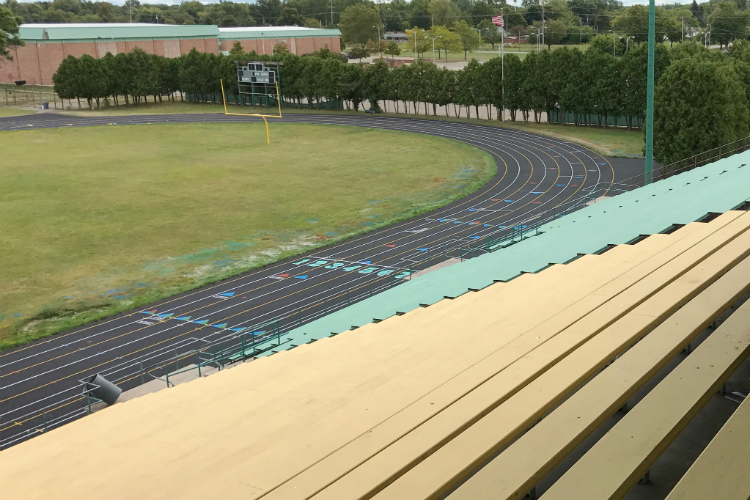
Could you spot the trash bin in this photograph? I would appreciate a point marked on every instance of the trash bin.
(101, 388)
(45, 105)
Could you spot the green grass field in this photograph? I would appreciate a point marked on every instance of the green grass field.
(612, 142)
(98, 220)
(15, 112)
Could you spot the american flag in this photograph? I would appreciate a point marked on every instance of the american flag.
(498, 21)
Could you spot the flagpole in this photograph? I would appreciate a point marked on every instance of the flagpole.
(502, 63)
(500, 23)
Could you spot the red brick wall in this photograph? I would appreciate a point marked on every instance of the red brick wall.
(36, 63)
(303, 45)
(9, 69)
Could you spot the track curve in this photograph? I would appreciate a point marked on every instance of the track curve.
(537, 175)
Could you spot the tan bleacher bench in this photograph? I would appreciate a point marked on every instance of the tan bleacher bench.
(519, 468)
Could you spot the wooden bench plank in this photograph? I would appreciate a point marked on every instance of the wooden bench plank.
(492, 365)
(445, 468)
(403, 454)
(293, 440)
(616, 463)
(721, 471)
(283, 412)
(519, 467)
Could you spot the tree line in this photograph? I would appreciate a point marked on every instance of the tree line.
(701, 95)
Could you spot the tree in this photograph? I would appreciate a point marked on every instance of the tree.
(633, 22)
(65, 79)
(490, 32)
(556, 32)
(280, 48)
(8, 32)
(289, 16)
(679, 20)
(359, 23)
(352, 81)
(375, 47)
(92, 79)
(515, 98)
(269, 10)
(698, 105)
(580, 34)
(359, 53)
(469, 37)
(376, 77)
(443, 12)
(740, 49)
(393, 49)
(237, 49)
(635, 71)
(418, 39)
(420, 16)
(107, 12)
(482, 11)
(604, 44)
(697, 10)
(447, 41)
(728, 23)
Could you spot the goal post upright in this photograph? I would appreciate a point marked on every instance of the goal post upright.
(258, 76)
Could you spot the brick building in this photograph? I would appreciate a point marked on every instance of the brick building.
(262, 39)
(48, 44)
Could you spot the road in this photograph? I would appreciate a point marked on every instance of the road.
(538, 177)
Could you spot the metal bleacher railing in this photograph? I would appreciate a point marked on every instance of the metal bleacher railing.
(267, 337)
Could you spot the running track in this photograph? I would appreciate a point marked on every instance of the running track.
(536, 176)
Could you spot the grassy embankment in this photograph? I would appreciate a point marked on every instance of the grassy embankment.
(611, 142)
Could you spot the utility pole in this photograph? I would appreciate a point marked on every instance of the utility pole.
(331, 12)
(614, 54)
(130, 9)
(542, 2)
(682, 28)
(649, 174)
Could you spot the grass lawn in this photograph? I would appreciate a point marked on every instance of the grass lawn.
(611, 142)
(15, 112)
(101, 219)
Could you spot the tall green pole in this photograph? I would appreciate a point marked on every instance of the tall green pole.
(649, 177)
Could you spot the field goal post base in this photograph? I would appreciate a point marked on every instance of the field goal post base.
(252, 76)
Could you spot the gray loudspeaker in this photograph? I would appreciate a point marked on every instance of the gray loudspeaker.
(101, 388)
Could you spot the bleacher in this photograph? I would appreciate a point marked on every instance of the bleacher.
(677, 200)
(480, 396)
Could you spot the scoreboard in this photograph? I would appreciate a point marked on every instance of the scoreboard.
(255, 72)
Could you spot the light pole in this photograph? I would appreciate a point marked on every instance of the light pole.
(379, 51)
(263, 41)
(613, 43)
(433, 47)
(649, 173)
(479, 32)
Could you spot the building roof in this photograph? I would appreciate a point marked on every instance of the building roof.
(253, 32)
(113, 31)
